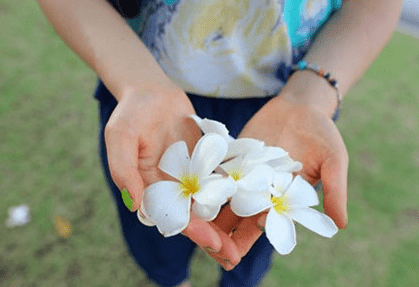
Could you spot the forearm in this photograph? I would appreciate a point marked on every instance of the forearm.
(346, 46)
(101, 37)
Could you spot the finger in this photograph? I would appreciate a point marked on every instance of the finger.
(122, 151)
(334, 174)
(203, 234)
(214, 241)
(226, 219)
(248, 232)
(229, 256)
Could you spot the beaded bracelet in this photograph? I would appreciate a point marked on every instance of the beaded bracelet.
(303, 65)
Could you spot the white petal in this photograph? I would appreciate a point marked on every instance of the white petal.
(205, 212)
(165, 205)
(260, 177)
(301, 193)
(243, 146)
(215, 190)
(197, 119)
(175, 160)
(232, 164)
(267, 153)
(211, 126)
(209, 151)
(250, 203)
(230, 139)
(144, 218)
(286, 164)
(280, 231)
(314, 220)
(282, 181)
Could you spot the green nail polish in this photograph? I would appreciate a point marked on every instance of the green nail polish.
(261, 228)
(127, 198)
(228, 262)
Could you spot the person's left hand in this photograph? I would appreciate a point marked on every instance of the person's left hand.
(311, 138)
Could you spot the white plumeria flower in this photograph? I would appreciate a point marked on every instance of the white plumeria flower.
(288, 200)
(245, 157)
(252, 172)
(210, 126)
(167, 204)
(247, 177)
(236, 147)
(277, 158)
(285, 164)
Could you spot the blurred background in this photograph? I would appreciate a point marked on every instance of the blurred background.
(71, 237)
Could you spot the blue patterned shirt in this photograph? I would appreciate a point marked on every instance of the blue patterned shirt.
(230, 48)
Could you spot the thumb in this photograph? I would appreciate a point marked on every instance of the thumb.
(122, 151)
(334, 174)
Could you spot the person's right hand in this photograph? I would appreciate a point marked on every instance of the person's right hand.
(143, 125)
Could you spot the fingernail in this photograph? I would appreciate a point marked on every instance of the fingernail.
(228, 262)
(261, 228)
(209, 249)
(127, 199)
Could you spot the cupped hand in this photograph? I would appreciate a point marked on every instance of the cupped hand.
(311, 138)
(143, 125)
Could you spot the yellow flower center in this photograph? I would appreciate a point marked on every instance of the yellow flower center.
(189, 184)
(236, 174)
(281, 204)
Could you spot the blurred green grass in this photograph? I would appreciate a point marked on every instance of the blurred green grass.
(48, 160)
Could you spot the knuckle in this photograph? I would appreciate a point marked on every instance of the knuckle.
(343, 152)
(116, 175)
(243, 252)
(113, 129)
(109, 130)
(236, 260)
(346, 156)
(119, 128)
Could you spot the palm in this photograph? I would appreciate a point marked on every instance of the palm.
(142, 127)
(311, 138)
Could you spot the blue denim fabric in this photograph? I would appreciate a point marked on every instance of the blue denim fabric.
(166, 260)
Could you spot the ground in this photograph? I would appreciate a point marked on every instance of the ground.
(48, 160)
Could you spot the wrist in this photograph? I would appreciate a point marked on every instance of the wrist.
(164, 101)
(159, 88)
(307, 89)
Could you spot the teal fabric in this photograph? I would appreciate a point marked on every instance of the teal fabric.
(301, 29)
